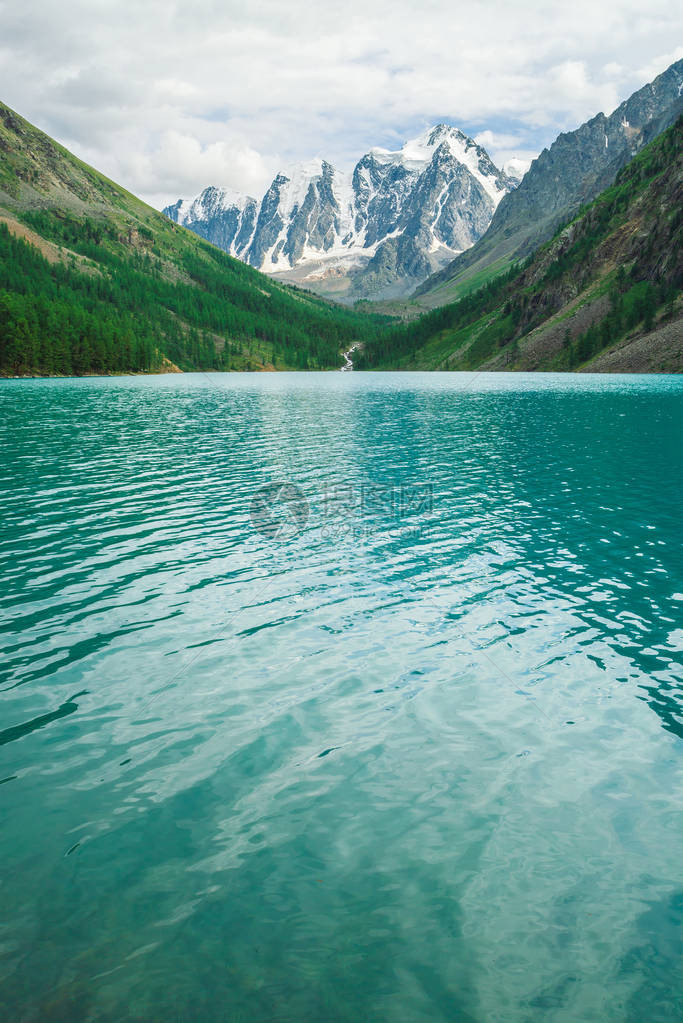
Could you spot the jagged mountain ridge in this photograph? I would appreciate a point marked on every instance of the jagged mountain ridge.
(384, 227)
(574, 170)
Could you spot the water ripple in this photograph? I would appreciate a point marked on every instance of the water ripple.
(416, 758)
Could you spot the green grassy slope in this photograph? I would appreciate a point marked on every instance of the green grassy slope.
(92, 280)
(587, 299)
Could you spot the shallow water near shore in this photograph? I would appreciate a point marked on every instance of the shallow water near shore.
(341, 697)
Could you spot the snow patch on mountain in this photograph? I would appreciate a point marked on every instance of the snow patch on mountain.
(212, 200)
(516, 167)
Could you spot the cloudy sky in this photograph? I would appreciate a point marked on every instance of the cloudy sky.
(167, 97)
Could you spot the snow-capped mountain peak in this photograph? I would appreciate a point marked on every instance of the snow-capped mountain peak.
(516, 167)
(213, 200)
(411, 209)
(294, 184)
(416, 153)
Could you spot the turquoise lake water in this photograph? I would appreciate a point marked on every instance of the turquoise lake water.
(341, 697)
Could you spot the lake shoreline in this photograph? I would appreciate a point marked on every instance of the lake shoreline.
(344, 369)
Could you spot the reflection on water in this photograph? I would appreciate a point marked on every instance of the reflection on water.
(400, 740)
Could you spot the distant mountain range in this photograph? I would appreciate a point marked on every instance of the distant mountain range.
(578, 165)
(374, 233)
(435, 217)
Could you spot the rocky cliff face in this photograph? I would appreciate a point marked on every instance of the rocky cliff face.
(578, 165)
(380, 230)
(572, 170)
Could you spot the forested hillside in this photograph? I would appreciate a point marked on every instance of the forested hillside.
(92, 280)
(588, 299)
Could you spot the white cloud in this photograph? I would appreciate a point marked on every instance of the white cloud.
(181, 161)
(169, 97)
(646, 72)
(509, 151)
(493, 140)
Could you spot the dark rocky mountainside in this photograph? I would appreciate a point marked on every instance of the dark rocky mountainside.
(576, 168)
(604, 294)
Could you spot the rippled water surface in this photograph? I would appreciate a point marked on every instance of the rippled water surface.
(398, 741)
